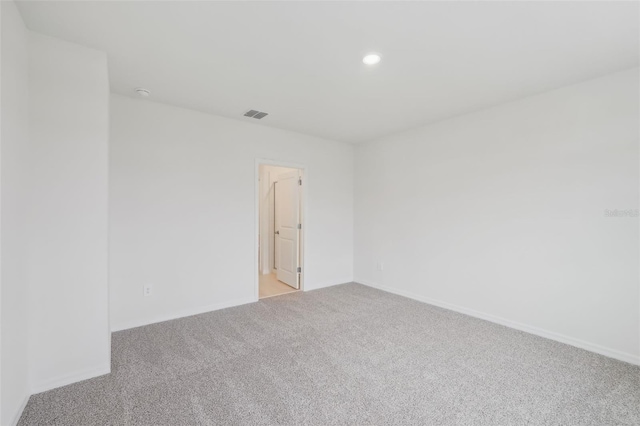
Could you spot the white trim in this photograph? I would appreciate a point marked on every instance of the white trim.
(304, 194)
(16, 417)
(592, 347)
(265, 256)
(329, 284)
(68, 379)
(181, 314)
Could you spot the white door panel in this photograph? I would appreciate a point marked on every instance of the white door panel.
(287, 210)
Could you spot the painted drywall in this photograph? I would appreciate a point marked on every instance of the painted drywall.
(183, 199)
(503, 214)
(14, 388)
(69, 336)
(302, 61)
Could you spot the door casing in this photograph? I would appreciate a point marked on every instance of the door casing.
(304, 174)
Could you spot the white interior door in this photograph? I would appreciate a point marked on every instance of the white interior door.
(287, 211)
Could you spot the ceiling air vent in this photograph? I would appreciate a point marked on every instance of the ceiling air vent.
(255, 114)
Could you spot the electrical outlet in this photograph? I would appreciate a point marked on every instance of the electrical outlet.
(380, 266)
(146, 289)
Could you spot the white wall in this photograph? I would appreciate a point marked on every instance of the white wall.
(182, 209)
(15, 132)
(501, 214)
(67, 265)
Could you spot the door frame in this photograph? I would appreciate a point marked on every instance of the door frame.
(304, 175)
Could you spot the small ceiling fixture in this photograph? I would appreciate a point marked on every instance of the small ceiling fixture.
(143, 92)
(371, 59)
(255, 114)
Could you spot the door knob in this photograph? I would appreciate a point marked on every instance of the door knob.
(277, 232)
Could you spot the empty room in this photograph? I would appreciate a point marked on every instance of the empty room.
(319, 213)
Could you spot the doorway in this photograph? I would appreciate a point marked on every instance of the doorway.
(280, 227)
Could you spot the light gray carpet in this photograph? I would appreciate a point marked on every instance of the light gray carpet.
(343, 355)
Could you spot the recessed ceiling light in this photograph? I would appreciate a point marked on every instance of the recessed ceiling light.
(371, 59)
(143, 92)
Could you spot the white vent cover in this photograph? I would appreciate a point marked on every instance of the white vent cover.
(255, 114)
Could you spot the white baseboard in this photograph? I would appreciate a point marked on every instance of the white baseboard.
(592, 347)
(16, 417)
(328, 284)
(68, 379)
(181, 314)
(204, 309)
